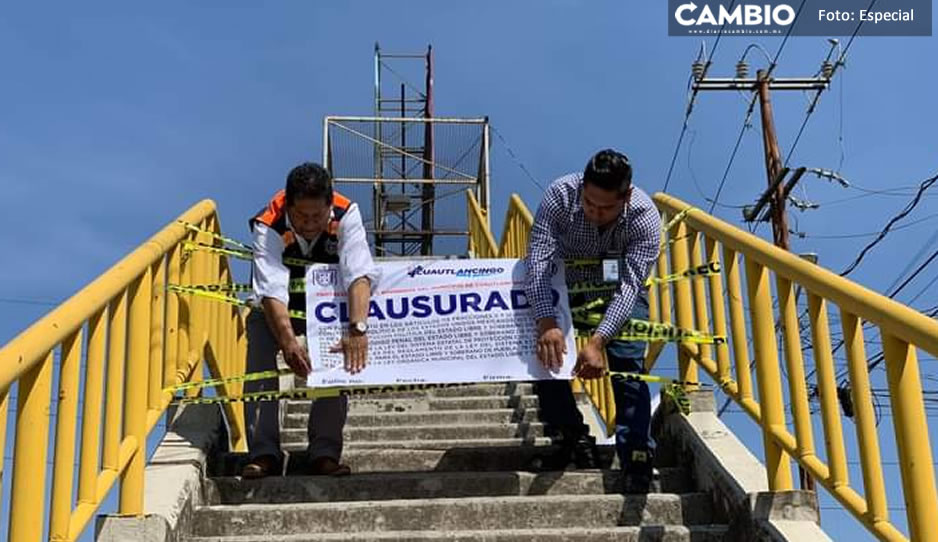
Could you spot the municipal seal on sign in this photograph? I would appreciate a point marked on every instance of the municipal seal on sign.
(324, 277)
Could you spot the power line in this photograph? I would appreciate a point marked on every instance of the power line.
(925, 289)
(921, 188)
(516, 160)
(817, 95)
(921, 252)
(868, 234)
(20, 301)
(925, 185)
(693, 98)
(916, 273)
(752, 104)
(677, 149)
(739, 139)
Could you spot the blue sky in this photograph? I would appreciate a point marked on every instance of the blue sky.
(115, 118)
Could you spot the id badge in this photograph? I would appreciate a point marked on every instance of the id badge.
(610, 270)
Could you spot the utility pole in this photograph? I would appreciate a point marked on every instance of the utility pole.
(776, 193)
(773, 163)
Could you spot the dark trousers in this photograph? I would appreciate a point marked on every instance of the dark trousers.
(326, 416)
(632, 398)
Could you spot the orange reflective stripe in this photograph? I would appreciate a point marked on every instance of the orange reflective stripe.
(274, 210)
(340, 201)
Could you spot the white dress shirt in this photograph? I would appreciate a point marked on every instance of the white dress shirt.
(271, 278)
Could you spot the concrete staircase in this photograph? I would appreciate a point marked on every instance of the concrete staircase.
(446, 464)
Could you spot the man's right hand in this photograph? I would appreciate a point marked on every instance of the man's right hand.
(297, 359)
(551, 345)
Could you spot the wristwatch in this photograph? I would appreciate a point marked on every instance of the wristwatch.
(359, 327)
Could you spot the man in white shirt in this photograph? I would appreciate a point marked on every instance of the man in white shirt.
(306, 221)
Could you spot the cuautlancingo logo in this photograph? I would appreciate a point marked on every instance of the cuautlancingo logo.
(740, 15)
(465, 272)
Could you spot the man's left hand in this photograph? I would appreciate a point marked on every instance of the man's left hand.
(589, 360)
(354, 349)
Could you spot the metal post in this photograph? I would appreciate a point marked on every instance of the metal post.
(911, 427)
(486, 143)
(27, 503)
(378, 190)
(63, 473)
(403, 212)
(428, 189)
(773, 163)
(767, 373)
(135, 398)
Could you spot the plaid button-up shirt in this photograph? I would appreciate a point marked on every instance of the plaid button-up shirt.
(561, 232)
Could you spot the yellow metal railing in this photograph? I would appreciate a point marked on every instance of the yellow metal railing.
(704, 302)
(135, 340)
(700, 304)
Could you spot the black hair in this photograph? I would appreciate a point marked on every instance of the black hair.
(309, 180)
(610, 170)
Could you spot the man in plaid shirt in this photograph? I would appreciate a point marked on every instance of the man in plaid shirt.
(596, 215)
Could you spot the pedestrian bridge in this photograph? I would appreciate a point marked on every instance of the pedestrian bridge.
(448, 464)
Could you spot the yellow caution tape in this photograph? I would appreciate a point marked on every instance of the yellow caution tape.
(241, 254)
(638, 337)
(645, 331)
(673, 388)
(654, 379)
(677, 218)
(592, 287)
(299, 285)
(679, 395)
(295, 286)
(712, 268)
(192, 246)
(635, 330)
(222, 238)
(263, 375)
(215, 296)
(313, 393)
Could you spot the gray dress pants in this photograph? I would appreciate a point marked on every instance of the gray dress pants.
(326, 417)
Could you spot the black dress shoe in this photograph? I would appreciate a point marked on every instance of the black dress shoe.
(580, 450)
(585, 454)
(261, 467)
(637, 473)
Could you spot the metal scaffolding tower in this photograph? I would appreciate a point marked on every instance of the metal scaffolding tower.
(411, 174)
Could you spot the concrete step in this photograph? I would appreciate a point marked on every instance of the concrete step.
(358, 435)
(424, 404)
(482, 390)
(472, 513)
(446, 444)
(474, 457)
(646, 533)
(451, 390)
(428, 485)
(446, 417)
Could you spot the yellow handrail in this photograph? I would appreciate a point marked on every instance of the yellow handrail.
(148, 340)
(481, 242)
(744, 293)
(903, 331)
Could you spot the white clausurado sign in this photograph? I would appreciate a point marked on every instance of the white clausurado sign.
(435, 322)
